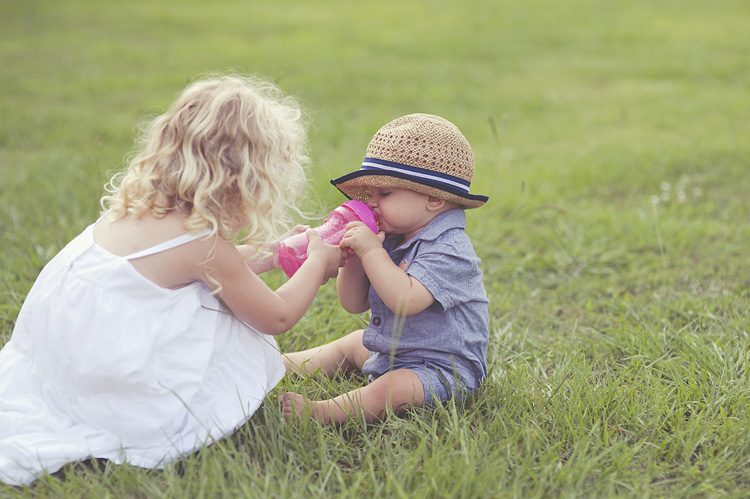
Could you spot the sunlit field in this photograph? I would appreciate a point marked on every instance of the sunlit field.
(612, 139)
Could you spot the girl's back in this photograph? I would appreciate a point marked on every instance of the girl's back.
(119, 366)
(173, 268)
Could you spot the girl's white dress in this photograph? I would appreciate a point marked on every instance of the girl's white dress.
(104, 363)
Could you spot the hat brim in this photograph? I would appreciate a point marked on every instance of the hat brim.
(356, 185)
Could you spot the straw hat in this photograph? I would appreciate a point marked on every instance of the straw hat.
(419, 152)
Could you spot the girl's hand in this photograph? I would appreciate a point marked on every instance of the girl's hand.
(331, 257)
(269, 257)
(361, 239)
(295, 230)
(273, 246)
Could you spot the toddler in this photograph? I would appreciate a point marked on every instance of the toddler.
(150, 334)
(420, 279)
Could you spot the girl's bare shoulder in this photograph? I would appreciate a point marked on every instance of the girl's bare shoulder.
(173, 268)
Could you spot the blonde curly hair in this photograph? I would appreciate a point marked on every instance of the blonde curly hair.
(229, 152)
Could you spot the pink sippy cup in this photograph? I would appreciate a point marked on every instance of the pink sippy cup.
(293, 250)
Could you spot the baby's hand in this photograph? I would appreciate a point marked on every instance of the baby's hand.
(361, 239)
(332, 257)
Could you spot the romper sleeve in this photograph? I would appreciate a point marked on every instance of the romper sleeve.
(448, 269)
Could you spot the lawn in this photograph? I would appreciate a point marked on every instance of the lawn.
(612, 139)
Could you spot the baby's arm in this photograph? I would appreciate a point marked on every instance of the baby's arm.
(401, 293)
(353, 286)
(272, 312)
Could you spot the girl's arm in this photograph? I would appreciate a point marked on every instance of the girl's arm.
(401, 293)
(272, 312)
(269, 257)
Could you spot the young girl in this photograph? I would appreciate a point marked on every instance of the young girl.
(147, 335)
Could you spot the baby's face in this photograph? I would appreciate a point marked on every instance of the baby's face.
(400, 211)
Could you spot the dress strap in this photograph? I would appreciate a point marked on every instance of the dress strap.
(166, 245)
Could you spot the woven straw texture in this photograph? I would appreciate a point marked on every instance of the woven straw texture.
(424, 141)
(418, 140)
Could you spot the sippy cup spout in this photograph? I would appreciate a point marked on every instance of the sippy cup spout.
(363, 213)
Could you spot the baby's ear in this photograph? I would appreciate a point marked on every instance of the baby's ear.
(435, 203)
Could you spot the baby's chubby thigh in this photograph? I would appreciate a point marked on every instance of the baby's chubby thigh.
(439, 382)
(397, 390)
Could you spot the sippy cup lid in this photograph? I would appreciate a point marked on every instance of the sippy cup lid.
(364, 213)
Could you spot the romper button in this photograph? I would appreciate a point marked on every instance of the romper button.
(376, 321)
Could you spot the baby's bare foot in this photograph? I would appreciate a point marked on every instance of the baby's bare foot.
(295, 406)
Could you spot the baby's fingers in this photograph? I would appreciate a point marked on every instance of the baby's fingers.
(354, 224)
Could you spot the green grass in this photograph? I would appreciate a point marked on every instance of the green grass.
(612, 140)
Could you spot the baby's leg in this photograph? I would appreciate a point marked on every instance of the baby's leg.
(396, 390)
(343, 353)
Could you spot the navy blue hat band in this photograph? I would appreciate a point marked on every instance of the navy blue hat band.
(420, 175)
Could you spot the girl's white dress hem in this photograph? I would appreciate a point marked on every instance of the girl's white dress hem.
(103, 363)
